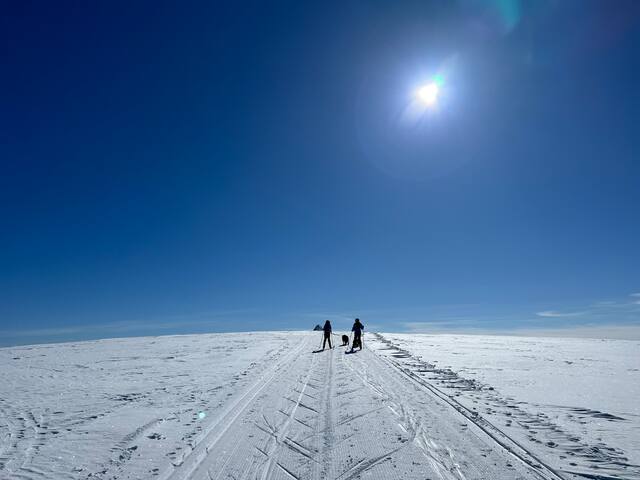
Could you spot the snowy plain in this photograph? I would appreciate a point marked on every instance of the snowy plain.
(572, 401)
(265, 406)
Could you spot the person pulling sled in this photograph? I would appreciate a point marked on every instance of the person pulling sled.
(357, 334)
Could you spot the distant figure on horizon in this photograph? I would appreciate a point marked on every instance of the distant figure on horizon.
(327, 334)
(357, 334)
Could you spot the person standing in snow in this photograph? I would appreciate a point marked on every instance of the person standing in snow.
(357, 334)
(327, 334)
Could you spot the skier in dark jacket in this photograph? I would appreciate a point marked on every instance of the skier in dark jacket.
(357, 334)
(327, 334)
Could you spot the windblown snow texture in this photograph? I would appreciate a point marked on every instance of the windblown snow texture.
(263, 406)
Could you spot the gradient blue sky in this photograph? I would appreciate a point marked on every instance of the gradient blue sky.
(175, 167)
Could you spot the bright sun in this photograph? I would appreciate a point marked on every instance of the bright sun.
(428, 94)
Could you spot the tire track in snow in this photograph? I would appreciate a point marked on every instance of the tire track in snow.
(539, 467)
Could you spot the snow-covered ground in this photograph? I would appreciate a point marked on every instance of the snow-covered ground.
(124, 408)
(265, 406)
(574, 402)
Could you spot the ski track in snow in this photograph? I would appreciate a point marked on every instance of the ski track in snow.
(262, 406)
(324, 416)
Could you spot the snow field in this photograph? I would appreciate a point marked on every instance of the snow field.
(265, 406)
(571, 402)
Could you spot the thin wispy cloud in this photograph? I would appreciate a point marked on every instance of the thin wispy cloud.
(556, 314)
(100, 328)
(617, 332)
(620, 332)
(201, 319)
(628, 306)
(604, 304)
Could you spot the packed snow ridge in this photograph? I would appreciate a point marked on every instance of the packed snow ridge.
(270, 406)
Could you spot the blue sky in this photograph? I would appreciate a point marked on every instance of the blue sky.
(194, 166)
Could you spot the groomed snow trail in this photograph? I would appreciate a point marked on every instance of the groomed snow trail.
(339, 416)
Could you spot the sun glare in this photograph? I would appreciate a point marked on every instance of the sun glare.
(428, 94)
